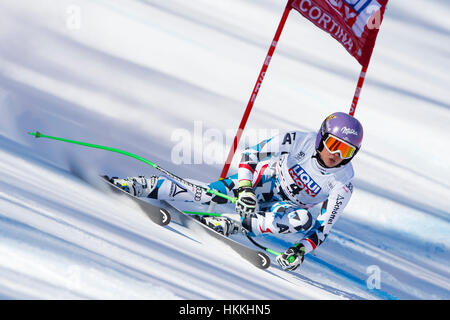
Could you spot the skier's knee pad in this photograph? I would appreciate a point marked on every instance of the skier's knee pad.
(288, 218)
(281, 218)
(305, 218)
(294, 220)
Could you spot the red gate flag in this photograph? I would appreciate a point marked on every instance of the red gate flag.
(354, 23)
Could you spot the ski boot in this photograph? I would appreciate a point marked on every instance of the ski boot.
(222, 225)
(136, 186)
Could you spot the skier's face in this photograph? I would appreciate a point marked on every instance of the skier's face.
(331, 160)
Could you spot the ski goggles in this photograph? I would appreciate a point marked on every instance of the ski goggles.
(334, 145)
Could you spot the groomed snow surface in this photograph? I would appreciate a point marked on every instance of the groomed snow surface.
(169, 80)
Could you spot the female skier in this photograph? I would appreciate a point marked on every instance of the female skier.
(277, 182)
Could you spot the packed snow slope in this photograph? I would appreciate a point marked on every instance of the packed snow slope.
(169, 80)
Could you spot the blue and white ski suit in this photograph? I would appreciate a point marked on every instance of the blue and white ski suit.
(288, 180)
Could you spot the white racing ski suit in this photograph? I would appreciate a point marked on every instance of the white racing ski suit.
(289, 162)
(287, 180)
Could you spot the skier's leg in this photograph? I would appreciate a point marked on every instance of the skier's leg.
(274, 215)
(279, 218)
(137, 186)
(264, 186)
(164, 188)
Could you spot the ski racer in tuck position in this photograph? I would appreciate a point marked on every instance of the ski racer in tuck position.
(277, 182)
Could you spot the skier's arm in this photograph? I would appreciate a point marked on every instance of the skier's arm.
(264, 150)
(331, 210)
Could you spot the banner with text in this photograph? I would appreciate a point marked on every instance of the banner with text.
(354, 23)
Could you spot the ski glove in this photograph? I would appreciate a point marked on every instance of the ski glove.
(292, 258)
(246, 201)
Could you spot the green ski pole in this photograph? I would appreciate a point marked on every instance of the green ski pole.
(37, 134)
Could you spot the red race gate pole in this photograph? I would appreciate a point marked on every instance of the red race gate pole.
(362, 77)
(255, 91)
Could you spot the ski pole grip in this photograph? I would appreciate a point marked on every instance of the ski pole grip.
(36, 134)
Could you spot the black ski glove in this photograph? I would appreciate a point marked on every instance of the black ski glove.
(292, 258)
(246, 202)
